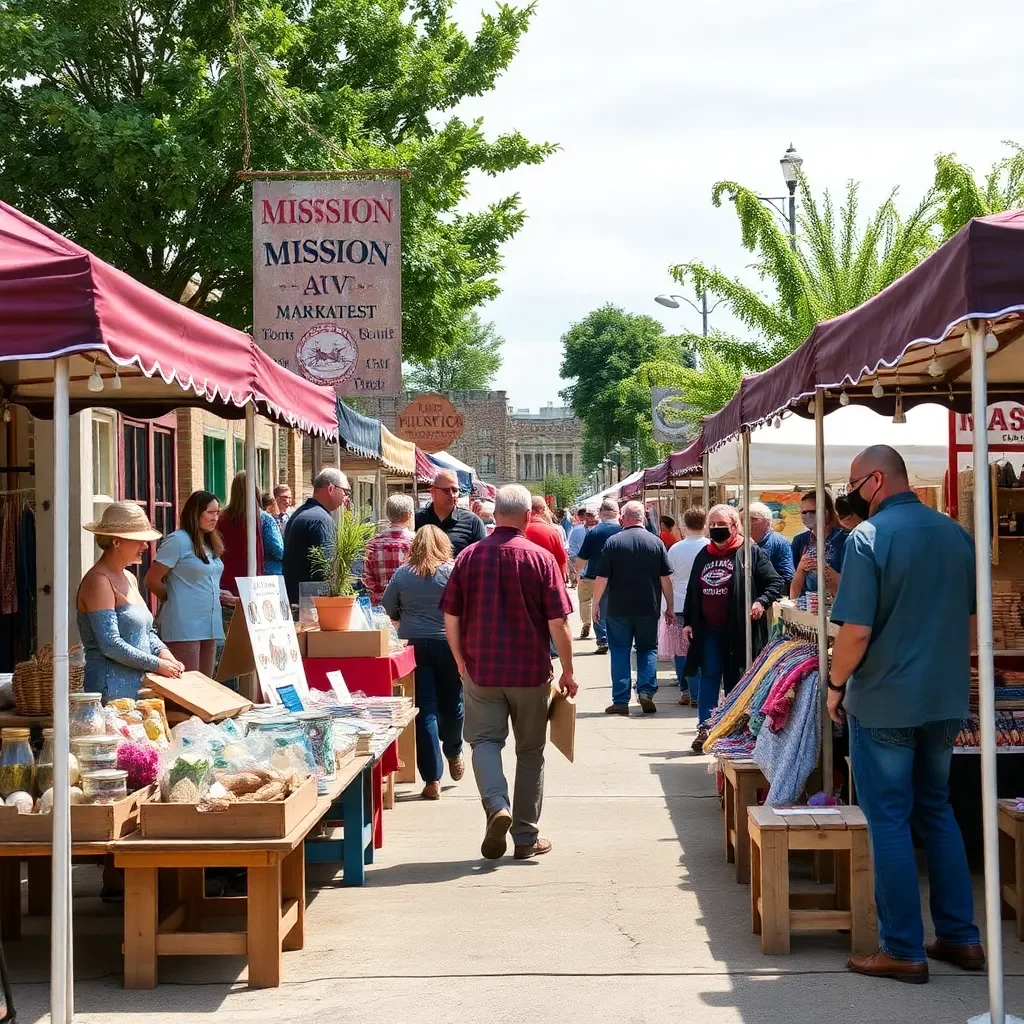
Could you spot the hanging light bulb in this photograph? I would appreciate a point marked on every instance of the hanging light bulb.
(900, 415)
(7, 411)
(935, 367)
(778, 422)
(95, 380)
(991, 343)
(810, 406)
(878, 391)
(844, 398)
(117, 379)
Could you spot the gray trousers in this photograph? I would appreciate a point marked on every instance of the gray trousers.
(488, 710)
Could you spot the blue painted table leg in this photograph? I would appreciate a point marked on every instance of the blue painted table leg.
(366, 832)
(354, 812)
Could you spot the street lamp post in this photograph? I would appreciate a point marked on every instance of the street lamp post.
(671, 301)
(790, 163)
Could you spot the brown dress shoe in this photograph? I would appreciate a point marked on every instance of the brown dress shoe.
(880, 965)
(585, 631)
(684, 700)
(617, 709)
(541, 846)
(432, 791)
(495, 837)
(457, 768)
(967, 958)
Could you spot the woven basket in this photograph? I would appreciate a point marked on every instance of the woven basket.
(33, 682)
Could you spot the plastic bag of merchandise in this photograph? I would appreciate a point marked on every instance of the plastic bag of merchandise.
(186, 765)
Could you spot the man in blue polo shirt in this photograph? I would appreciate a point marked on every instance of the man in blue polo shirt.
(901, 670)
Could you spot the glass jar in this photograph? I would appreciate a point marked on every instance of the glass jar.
(105, 787)
(17, 765)
(44, 764)
(86, 715)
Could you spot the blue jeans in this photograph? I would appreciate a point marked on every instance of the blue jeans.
(902, 778)
(601, 623)
(622, 633)
(685, 684)
(439, 698)
(714, 658)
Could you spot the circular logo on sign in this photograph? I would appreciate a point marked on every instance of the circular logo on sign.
(327, 354)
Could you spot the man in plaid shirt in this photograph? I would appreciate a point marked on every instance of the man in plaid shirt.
(505, 599)
(389, 549)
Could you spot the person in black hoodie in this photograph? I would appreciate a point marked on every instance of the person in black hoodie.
(715, 613)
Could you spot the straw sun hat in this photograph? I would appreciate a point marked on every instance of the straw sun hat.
(125, 520)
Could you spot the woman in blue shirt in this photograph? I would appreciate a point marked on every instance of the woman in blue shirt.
(273, 545)
(186, 576)
(805, 557)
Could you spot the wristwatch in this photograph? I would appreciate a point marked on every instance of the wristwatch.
(836, 689)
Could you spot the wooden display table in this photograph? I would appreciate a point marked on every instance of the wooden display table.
(776, 912)
(1011, 859)
(274, 906)
(10, 720)
(742, 781)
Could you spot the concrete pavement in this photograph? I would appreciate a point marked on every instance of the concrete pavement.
(633, 917)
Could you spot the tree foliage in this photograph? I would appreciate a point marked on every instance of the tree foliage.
(121, 127)
(469, 363)
(599, 352)
(962, 197)
(838, 263)
(564, 489)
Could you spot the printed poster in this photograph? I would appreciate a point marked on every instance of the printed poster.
(275, 648)
(327, 281)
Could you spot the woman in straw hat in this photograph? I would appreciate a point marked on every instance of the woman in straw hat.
(115, 625)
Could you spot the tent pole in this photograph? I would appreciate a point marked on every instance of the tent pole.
(748, 595)
(316, 456)
(251, 512)
(706, 483)
(61, 964)
(986, 670)
(819, 525)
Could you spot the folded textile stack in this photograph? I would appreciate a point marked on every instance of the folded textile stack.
(390, 710)
(1009, 730)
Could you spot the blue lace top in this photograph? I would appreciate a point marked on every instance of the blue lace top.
(120, 644)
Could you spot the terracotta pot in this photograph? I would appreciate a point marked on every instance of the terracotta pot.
(335, 613)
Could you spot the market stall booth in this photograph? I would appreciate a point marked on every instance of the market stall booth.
(428, 466)
(76, 332)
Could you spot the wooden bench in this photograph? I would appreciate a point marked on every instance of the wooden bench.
(776, 912)
(274, 906)
(742, 781)
(1011, 860)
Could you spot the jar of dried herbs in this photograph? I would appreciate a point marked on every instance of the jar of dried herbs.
(44, 764)
(17, 765)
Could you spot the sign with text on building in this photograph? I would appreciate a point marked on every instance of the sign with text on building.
(327, 281)
(431, 422)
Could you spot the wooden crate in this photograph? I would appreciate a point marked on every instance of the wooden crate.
(90, 823)
(239, 821)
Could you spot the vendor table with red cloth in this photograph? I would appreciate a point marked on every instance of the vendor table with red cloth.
(376, 677)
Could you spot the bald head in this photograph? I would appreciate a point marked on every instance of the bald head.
(876, 474)
(882, 459)
(538, 506)
(444, 492)
(632, 513)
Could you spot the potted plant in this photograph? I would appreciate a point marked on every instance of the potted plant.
(335, 569)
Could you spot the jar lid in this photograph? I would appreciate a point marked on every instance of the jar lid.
(48, 734)
(15, 734)
(85, 698)
(101, 740)
(106, 775)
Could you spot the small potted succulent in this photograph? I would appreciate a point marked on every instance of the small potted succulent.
(334, 568)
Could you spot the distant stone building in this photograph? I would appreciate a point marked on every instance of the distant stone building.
(504, 445)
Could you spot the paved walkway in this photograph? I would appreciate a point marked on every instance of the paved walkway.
(634, 917)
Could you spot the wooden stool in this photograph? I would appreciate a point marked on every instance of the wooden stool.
(742, 781)
(776, 912)
(1011, 860)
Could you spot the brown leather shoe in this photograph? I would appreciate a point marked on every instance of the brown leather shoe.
(457, 768)
(495, 837)
(432, 791)
(585, 631)
(967, 958)
(684, 700)
(697, 746)
(880, 965)
(541, 846)
(617, 709)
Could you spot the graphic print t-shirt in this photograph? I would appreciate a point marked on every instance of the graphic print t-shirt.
(715, 581)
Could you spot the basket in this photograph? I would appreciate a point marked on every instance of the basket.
(33, 682)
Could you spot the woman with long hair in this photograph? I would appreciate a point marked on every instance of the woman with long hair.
(715, 611)
(231, 526)
(411, 599)
(186, 576)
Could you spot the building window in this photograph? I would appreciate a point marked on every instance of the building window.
(527, 467)
(486, 465)
(215, 467)
(263, 469)
(104, 458)
(558, 464)
(239, 454)
(483, 435)
(136, 464)
(568, 464)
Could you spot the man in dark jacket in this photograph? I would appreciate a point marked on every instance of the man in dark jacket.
(715, 614)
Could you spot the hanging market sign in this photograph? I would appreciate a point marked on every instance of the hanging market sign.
(327, 281)
(667, 408)
(1005, 425)
(431, 422)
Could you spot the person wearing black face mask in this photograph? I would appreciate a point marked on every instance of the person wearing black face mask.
(715, 612)
(805, 557)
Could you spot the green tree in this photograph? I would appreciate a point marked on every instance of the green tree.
(837, 264)
(961, 197)
(565, 489)
(598, 353)
(469, 363)
(121, 127)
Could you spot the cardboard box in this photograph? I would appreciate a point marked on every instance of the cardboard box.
(90, 823)
(362, 643)
(239, 821)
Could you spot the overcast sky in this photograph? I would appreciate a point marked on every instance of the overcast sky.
(652, 101)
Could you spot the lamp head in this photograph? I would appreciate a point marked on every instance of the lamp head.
(791, 163)
(666, 300)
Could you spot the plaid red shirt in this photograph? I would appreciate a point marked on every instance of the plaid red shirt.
(384, 554)
(504, 590)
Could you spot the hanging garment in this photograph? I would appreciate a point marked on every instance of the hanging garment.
(779, 702)
(8, 561)
(788, 757)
